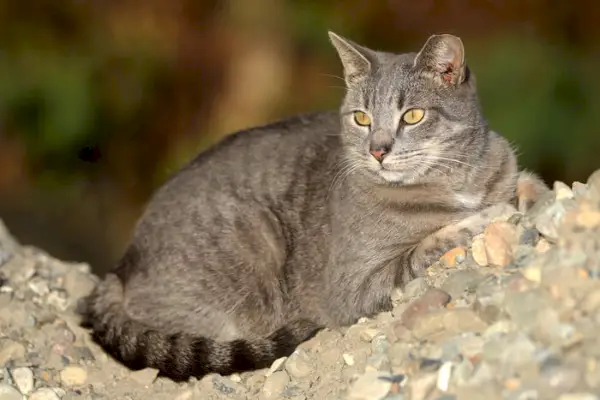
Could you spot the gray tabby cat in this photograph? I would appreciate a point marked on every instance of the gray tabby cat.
(310, 222)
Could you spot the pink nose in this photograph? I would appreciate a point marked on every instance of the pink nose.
(378, 154)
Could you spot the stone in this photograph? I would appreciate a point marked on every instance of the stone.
(274, 385)
(276, 366)
(460, 281)
(447, 322)
(431, 300)
(529, 237)
(78, 284)
(348, 359)
(73, 376)
(11, 350)
(454, 256)
(499, 239)
(443, 376)
(8, 392)
(23, 378)
(299, 365)
(39, 286)
(478, 251)
(372, 385)
(144, 377)
(579, 189)
(422, 385)
(588, 219)
(562, 191)
(415, 288)
(44, 394)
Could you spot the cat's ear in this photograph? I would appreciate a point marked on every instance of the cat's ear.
(356, 60)
(443, 56)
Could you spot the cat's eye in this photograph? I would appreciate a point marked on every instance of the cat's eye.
(361, 118)
(413, 116)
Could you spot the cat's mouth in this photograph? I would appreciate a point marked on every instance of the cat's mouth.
(393, 176)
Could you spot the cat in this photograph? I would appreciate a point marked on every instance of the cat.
(281, 230)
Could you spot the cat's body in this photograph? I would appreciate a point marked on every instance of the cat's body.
(283, 229)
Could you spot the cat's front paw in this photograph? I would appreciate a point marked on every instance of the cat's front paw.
(458, 234)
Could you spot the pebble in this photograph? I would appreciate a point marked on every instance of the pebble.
(299, 364)
(453, 257)
(276, 366)
(11, 350)
(430, 300)
(372, 385)
(415, 288)
(274, 385)
(499, 239)
(73, 376)
(44, 394)
(23, 378)
(478, 251)
(9, 393)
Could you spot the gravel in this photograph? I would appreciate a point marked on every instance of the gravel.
(515, 315)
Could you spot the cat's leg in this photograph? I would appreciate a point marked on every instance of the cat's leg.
(430, 249)
(530, 188)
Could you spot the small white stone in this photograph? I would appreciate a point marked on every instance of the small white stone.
(443, 378)
(73, 376)
(276, 366)
(348, 359)
(235, 378)
(44, 394)
(23, 378)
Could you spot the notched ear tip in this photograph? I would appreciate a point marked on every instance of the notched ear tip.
(444, 54)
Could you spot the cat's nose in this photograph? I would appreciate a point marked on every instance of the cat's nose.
(379, 153)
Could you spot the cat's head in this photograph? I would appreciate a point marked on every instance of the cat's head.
(409, 118)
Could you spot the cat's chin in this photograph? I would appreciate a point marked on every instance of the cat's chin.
(394, 177)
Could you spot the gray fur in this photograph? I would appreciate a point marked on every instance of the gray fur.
(282, 229)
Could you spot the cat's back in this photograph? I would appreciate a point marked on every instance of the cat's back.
(261, 162)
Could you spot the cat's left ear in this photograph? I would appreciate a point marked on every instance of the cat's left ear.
(443, 56)
(356, 60)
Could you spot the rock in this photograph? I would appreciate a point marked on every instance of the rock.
(478, 251)
(529, 237)
(562, 191)
(372, 385)
(9, 393)
(78, 284)
(447, 322)
(460, 281)
(11, 350)
(299, 365)
(23, 378)
(415, 288)
(422, 385)
(453, 257)
(274, 385)
(44, 394)
(73, 376)
(276, 366)
(499, 239)
(348, 359)
(431, 300)
(588, 219)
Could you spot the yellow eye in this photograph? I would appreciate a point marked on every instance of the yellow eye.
(362, 118)
(413, 116)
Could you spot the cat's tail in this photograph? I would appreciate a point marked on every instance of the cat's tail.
(180, 356)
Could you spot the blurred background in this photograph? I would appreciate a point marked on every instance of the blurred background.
(100, 100)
